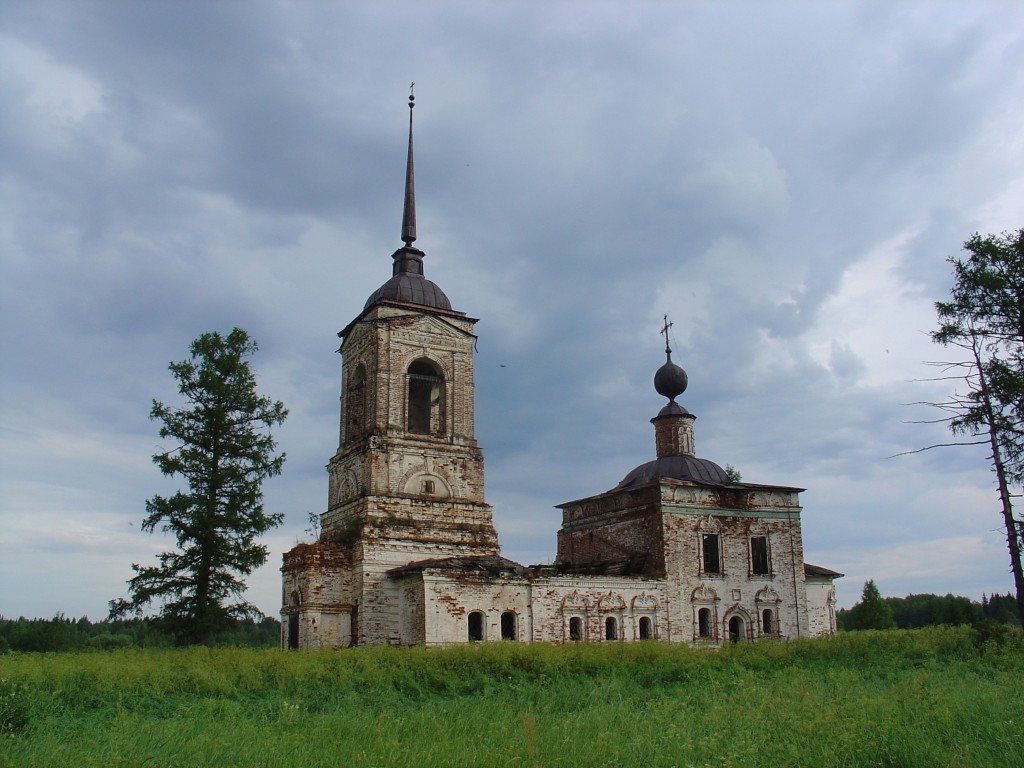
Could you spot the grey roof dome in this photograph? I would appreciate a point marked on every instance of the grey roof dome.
(410, 289)
(675, 468)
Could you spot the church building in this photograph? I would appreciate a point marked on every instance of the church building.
(408, 553)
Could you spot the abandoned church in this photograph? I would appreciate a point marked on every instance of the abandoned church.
(408, 553)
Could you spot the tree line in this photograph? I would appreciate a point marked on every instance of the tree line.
(62, 633)
(916, 611)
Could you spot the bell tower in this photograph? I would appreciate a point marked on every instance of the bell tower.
(407, 481)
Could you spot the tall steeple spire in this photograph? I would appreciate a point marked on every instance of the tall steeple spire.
(409, 212)
(407, 284)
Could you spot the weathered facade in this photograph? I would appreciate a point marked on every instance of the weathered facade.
(408, 553)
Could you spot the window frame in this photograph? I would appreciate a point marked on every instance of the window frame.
(755, 556)
(715, 549)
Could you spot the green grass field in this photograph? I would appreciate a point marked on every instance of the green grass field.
(933, 697)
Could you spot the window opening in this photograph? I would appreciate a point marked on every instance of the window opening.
(428, 486)
(508, 626)
(645, 628)
(735, 629)
(712, 561)
(426, 395)
(293, 622)
(611, 628)
(704, 622)
(356, 403)
(759, 556)
(575, 629)
(767, 622)
(476, 627)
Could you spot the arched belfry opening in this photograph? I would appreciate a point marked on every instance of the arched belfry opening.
(425, 406)
(355, 404)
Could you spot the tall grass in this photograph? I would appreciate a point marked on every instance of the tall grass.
(908, 698)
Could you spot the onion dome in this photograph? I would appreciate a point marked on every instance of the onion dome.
(673, 435)
(670, 380)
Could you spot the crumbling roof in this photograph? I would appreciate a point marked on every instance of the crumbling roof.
(817, 570)
(491, 565)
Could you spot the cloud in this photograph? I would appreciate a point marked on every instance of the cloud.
(784, 182)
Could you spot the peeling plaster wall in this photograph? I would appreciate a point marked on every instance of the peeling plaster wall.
(396, 497)
(821, 606)
(557, 599)
(736, 590)
(318, 585)
(449, 599)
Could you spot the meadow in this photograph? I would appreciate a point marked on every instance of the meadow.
(932, 697)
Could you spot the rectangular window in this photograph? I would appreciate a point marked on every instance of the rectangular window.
(759, 556)
(712, 560)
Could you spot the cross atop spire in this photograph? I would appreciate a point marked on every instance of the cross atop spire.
(664, 332)
(409, 212)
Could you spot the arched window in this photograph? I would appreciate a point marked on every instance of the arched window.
(611, 628)
(508, 626)
(355, 404)
(767, 622)
(293, 622)
(575, 629)
(704, 622)
(645, 628)
(736, 629)
(425, 415)
(476, 627)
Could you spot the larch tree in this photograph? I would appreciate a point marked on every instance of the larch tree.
(221, 446)
(985, 319)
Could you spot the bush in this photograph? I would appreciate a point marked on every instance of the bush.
(14, 715)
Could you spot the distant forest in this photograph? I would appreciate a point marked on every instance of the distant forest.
(66, 634)
(915, 611)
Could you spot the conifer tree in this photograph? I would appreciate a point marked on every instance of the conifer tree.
(222, 448)
(872, 612)
(985, 319)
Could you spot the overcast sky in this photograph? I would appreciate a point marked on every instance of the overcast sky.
(784, 180)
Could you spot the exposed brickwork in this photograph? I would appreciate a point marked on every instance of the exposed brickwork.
(408, 553)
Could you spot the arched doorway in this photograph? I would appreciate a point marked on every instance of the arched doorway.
(575, 629)
(476, 627)
(736, 629)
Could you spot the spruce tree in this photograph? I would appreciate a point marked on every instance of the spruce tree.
(222, 448)
(872, 612)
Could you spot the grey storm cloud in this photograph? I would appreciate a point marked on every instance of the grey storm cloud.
(784, 181)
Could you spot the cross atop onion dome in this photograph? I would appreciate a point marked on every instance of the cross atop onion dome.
(670, 380)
